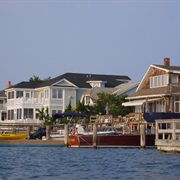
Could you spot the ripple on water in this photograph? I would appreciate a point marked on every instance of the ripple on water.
(87, 163)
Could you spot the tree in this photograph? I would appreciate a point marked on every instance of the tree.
(111, 104)
(45, 117)
(37, 79)
(69, 107)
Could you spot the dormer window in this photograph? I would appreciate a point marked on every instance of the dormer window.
(97, 83)
(159, 81)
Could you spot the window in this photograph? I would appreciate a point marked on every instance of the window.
(175, 78)
(37, 114)
(11, 114)
(11, 95)
(177, 104)
(87, 100)
(19, 113)
(159, 81)
(1, 101)
(27, 95)
(28, 113)
(56, 94)
(46, 92)
(53, 93)
(56, 111)
(19, 94)
(160, 106)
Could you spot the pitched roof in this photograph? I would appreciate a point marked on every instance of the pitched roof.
(24, 84)
(152, 92)
(78, 79)
(94, 92)
(2, 93)
(168, 68)
(123, 88)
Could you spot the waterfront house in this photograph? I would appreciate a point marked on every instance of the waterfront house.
(120, 90)
(3, 100)
(25, 98)
(157, 96)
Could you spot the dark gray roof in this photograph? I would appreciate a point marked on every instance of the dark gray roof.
(2, 93)
(29, 85)
(78, 79)
(170, 68)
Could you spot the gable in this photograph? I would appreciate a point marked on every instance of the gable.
(152, 71)
(64, 83)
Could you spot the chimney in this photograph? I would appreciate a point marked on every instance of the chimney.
(166, 61)
(9, 84)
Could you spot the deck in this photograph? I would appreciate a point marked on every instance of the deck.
(168, 135)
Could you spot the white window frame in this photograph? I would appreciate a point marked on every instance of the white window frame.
(159, 81)
(56, 93)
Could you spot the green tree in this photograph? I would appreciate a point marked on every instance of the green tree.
(111, 104)
(69, 107)
(37, 79)
(45, 117)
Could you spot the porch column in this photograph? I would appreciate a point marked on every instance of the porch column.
(22, 113)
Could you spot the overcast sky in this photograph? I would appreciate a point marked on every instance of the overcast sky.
(47, 38)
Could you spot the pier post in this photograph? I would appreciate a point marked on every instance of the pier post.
(47, 132)
(142, 136)
(29, 130)
(94, 135)
(66, 135)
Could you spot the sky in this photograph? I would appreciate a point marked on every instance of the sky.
(47, 38)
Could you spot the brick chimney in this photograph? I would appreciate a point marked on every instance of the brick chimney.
(166, 61)
(9, 84)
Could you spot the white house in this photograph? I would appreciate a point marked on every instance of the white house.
(25, 98)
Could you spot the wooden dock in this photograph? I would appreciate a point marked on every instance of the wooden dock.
(32, 143)
(168, 135)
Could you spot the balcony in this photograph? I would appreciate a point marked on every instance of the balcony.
(26, 101)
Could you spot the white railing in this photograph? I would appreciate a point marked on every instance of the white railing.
(168, 129)
(23, 121)
(27, 101)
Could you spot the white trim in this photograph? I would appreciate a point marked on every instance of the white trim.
(139, 102)
(69, 84)
(146, 96)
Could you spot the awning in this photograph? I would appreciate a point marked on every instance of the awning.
(139, 102)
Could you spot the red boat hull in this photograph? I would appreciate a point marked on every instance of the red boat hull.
(127, 140)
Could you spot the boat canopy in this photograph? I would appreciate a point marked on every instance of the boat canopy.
(153, 116)
(68, 114)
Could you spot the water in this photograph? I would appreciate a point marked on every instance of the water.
(87, 163)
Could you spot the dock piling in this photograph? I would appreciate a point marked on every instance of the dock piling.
(142, 136)
(47, 132)
(94, 135)
(66, 135)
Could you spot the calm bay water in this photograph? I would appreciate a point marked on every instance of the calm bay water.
(87, 163)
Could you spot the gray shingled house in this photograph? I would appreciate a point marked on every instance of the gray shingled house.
(158, 94)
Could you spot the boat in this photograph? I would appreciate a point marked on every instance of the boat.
(10, 136)
(110, 140)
